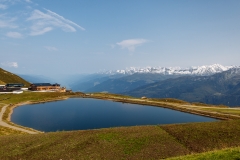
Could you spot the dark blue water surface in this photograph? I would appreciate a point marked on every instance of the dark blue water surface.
(81, 114)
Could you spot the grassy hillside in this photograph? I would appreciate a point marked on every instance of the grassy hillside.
(32, 96)
(225, 154)
(9, 131)
(140, 142)
(8, 77)
(1, 82)
(202, 137)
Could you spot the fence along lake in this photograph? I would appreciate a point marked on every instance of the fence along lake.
(85, 113)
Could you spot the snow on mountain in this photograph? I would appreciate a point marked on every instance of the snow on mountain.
(199, 70)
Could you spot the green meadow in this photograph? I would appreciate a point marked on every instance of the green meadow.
(209, 140)
(139, 142)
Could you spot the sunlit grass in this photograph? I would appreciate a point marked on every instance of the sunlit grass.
(225, 154)
(9, 131)
(201, 137)
(226, 111)
(140, 142)
(8, 77)
(145, 142)
(30, 96)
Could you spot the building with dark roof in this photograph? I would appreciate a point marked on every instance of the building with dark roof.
(13, 85)
(10, 87)
(46, 87)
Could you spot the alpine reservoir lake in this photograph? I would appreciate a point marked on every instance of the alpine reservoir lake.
(86, 113)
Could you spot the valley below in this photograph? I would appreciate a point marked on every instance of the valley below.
(207, 140)
(214, 84)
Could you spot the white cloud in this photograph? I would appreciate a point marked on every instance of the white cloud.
(37, 30)
(10, 64)
(14, 35)
(131, 44)
(51, 48)
(65, 20)
(2, 6)
(28, 1)
(6, 22)
(45, 22)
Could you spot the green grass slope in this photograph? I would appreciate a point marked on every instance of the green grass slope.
(139, 142)
(202, 137)
(147, 142)
(225, 154)
(9, 131)
(1, 82)
(8, 77)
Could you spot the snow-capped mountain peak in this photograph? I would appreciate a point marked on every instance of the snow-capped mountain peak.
(199, 70)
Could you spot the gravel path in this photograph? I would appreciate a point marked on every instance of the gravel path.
(4, 124)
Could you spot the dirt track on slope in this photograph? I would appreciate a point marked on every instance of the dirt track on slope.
(4, 124)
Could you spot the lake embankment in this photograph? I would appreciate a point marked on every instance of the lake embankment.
(89, 113)
(170, 104)
(33, 98)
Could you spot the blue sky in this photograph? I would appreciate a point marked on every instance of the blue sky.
(81, 36)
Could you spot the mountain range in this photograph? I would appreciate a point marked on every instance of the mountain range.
(120, 81)
(220, 88)
(213, 84)
(199, 70)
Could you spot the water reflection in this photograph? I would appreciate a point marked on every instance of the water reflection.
(81, 114)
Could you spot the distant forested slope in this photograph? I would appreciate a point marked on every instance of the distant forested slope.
(220, 88)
